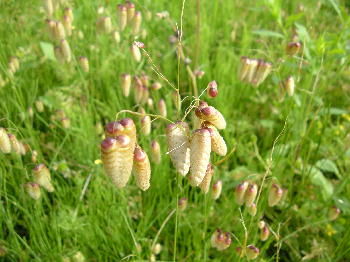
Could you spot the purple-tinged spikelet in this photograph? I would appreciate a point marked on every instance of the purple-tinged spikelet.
(43, 177)
(142, 169)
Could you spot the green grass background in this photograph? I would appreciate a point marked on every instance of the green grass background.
(310, 160)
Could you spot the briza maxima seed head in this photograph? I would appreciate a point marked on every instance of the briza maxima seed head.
(15, 144)
(244, 68)
(182, 203)
(67, 23)
(333, 213)
(220, 240)
(136, 52)
(156, 86)
(122, 16)
(59, 32)
(252, 209)
(33, 190)
(142, 169)
(264, 233)
(125, 84)
(155, 152)
(212, 115)
(205, 185)
(49, 8)
(252, 252)
(240, 192)
(117, 160)
(179, 146)
(200, 149)
(84, 63)
(162, 108)
(136, 23)
(250, 194)
(68, 12)
(216, 190)
(116, 36)
(212, 89)
(262, 71)
(289, 85)
(66, 52)
(146, 125)
(130, 10)
(34, 156)
(43, 177)
(253, 65)
(275, 195)
(5, 143)
(293, 48)
(218, 144)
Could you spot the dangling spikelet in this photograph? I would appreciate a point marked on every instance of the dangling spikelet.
(205, 185)
(251, 70)
(212, 115)
(43, 177)
(156, 86)
(145, 94)
(117, 160)
(220, 240)
(67, 23)
(34, 156)
(218, 144)
(212, 89)
(244, 68)
(39, 106)
(250, 194)
(125, 84)
(59, 32)
(264, 233)
(144, 79)
(289, 85)
(5, 143)
(136, 23)
(252, 209)
(262, 71)
(275, 195)
(22, 148)
(146, 125)
(59, 54)
(130, 10)
(68, 12)
(155, 150)
(162, 108)
(216, 190)
(138, 93)
(33, 190)
(123, 17)
(177, 100)
(178, 146)
(66, 52)
(240, 192)
(252, 252)
(150, 103)
(200, 149)
(15, 145)
(182, 204)
(293, 48)
(333, 213)
(84, 63)
(142, 169)
(136, 53)
(51, 28)
(48, 6)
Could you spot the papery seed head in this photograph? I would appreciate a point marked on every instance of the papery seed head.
(136, 53)
(157, 249)
(264, 233)
(34, 156)
(252, 252)
(289, 85)
(199, 73)
(216, 190)
(33, 190)
(333, 213)
(136, 23)
(250, 194)
(125, 84)
(162, 108)
(293, 48)
(155, 150)
(156, 86)
(130, 10)
(182, 203)
(275, 195)
(5, 143)
(69, 13)
(261, 224)
(252, 209)
(205, 185)
(84, 63)
(123, 17)
(146, 125)
(240, 192)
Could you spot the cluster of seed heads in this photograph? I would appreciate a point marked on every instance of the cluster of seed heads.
(10, 144)
(254, 71)
(220, 240)
(121, 154)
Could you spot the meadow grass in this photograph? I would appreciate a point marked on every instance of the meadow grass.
(301, 143)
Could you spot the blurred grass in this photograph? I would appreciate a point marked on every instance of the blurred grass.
(109, 224)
